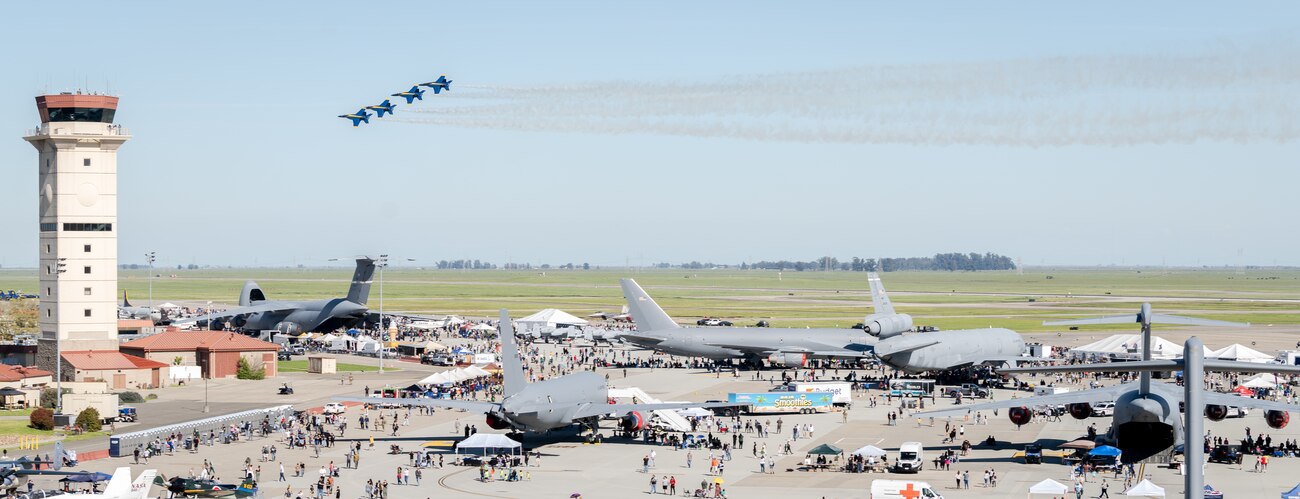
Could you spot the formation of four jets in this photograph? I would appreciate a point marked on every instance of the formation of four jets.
(386, 107)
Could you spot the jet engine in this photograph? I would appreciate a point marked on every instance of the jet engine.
(1215, 412)
(1277, 419)
(887, 325)
(1081, 410)
(633, 421)
(289, 328)
(496, 422)
(788, 360)
(1020, 415)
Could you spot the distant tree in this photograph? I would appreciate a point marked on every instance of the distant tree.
(89, 420)
(586, 266)
(41, 419)
(244, 370)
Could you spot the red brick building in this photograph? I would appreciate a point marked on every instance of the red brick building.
(217, 353)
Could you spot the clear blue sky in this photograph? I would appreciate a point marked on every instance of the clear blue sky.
(238, 157)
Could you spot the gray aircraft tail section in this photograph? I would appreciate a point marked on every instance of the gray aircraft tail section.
(645, 312)
(879, 300)
(251, 295)
(361, 279)
(512, 370)
(125, 303)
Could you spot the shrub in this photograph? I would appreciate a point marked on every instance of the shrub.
(130, 398)
(88, 420)
(245, 371)
(42, 419)
(151, 396)
(50, 397)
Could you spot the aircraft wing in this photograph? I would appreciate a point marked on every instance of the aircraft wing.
(464, 405)
(829, 351)
(1092, 396)
(636, 338)
(1157, 365)
(1212, 398)
(591, 410)
(235, 312)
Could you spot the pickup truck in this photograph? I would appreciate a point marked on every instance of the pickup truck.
(966, 390)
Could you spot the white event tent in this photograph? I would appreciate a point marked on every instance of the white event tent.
(548, 318)
(1239, 352)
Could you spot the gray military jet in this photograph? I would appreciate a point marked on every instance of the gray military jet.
(935, 350)
(578, 398)
(882, 335)
(1146, 419)
(126, 311)
(778, 347)
(256, 313)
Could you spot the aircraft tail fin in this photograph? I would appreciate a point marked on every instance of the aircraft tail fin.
(140, 487)
(125, 302)
(645, 312)
(251, 294)
(361, 279)
(879, 300)
(120, 485)
(512, 370)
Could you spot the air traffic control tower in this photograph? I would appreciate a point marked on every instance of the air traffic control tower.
(77, 144)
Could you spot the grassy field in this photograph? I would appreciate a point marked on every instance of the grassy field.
(793, 299)
(300, 366)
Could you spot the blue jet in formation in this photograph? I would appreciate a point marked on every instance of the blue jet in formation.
(381, 108)
(358, 117)
(442, 83)
(411, 95)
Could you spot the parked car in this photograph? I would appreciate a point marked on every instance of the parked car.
(1104, 409)
(438, 360)
(1228, 454)
(284, 355)
(334, 408)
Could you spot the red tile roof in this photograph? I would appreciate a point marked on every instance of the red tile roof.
(19, 373)
(188, 341)
(96, 360)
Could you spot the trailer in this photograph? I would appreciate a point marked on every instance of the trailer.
(842, 391)
(783, 402)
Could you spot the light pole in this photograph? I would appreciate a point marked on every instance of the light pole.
(205, 392)
(383, 335)
(209, 309)
(150, 257)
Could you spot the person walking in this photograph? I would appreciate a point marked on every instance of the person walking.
(672, 485)
(1104, 490)
(654, 484)
(1078, 490)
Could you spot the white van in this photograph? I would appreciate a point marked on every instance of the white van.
(911, 456)
(902, 489)
(1042, 390)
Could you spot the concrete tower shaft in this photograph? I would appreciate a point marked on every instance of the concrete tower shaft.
(77, 144)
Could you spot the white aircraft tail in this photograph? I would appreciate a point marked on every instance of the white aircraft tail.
(119, 487)
(140, 487)
(512, 370)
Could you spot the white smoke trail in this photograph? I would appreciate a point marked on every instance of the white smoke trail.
(1226, 95)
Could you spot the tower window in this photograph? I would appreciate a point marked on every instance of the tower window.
(85, 162)
(86, 270)
(87, 247)
(47, 249)
(87, 312)
(47, 313)
(49, 270)
(49, 291)
(87, 290)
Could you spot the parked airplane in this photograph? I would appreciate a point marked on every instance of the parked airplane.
(411, 95)
(198, 487)
(442, 83)
(120, 486)
(126, 311)
(622, 316)
(777, 347)
(935, 350)
(578, 398)
(382, 108)
(357, 117)
(1146, 419)
(256, 313)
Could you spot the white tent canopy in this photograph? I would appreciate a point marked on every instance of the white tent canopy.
(548, 318)
(168, 306)
(1131, 345)
(1237, 351)
(869, 451)
(434, 379)
(487, 441)
(1049, 487)
(1145, 489)
(483, 326)
(476, 372)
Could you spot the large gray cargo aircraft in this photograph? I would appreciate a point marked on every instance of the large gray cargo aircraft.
(1146, 419)
(882, 335)
(578, 398)
(256, 313)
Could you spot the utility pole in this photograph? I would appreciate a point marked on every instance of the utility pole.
(150, 257)
(383, 334)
